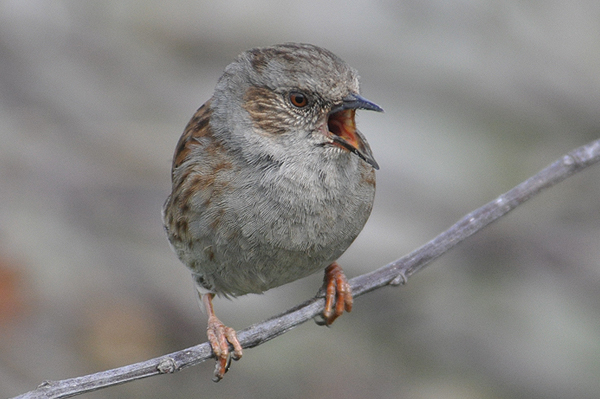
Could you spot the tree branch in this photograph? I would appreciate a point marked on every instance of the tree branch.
(394, 273)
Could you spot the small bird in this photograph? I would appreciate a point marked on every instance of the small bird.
(271, 181)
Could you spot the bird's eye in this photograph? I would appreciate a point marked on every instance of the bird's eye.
(298, 99)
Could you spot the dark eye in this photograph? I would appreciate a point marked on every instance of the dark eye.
(298, 99)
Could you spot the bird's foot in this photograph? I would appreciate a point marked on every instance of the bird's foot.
(220, 336)
(338, 294)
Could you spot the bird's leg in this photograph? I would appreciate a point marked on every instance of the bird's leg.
(338, 294)
(220, 336)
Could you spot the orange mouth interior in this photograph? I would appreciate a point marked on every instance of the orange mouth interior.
(342, 125)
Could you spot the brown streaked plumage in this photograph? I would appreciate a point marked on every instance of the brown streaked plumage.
(197, 127)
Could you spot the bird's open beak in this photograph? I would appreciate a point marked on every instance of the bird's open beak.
(342, 127)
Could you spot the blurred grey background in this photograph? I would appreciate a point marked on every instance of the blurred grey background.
(479, 95)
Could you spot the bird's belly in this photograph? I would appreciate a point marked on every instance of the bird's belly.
(261, 257)
(268, 237)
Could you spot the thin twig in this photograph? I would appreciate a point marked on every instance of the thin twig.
(394, 273)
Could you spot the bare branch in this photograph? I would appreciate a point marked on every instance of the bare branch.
(394, 273)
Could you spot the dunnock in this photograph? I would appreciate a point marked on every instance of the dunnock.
(271, 181)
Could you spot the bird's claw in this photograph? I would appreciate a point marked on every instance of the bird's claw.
(338, 294)
(220, 337)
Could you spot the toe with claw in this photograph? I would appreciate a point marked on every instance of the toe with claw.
(338, 294)
(220, 337)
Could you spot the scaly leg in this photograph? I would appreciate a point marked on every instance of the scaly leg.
(220, 336)
(337, 291)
